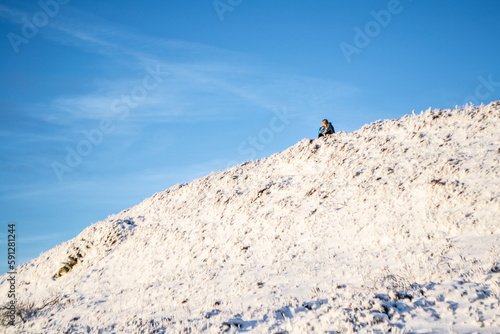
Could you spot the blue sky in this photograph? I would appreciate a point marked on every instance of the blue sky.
(102, 104)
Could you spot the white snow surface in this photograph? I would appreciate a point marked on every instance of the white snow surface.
(392, 228)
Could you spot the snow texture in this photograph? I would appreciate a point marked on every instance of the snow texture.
(392, 228)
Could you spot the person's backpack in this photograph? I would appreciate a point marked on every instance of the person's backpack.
(333, 129)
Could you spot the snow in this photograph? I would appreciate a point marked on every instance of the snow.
(393, 227)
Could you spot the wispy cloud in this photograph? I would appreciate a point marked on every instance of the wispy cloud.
(90, 32)
(201, 73)
(11, 14)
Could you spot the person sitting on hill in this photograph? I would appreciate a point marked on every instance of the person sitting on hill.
(326, 129)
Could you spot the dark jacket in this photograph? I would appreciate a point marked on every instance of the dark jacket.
(329, 130)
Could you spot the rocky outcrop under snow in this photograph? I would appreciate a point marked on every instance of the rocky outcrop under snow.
(393, 227)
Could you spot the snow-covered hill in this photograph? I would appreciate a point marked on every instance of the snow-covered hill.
(391, 228)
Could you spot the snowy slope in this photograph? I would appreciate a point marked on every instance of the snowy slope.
(392, 227)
